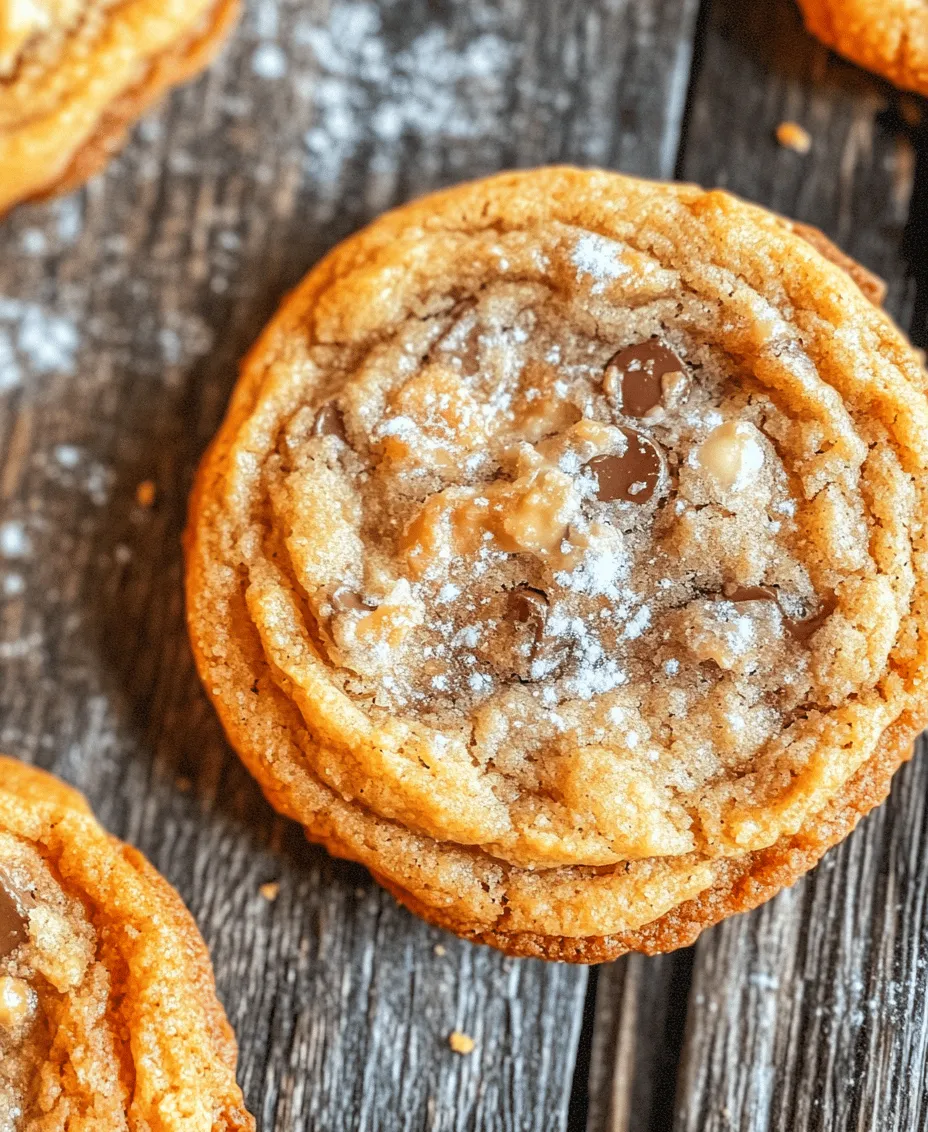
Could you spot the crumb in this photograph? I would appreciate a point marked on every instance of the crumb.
(145, 494)
(270, 891)
(792, 136)
(439, 950)
(461, 1043)
(184, 785)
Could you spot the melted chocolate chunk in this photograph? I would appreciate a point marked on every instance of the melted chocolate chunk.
(530, 607)
(632, 476)
(14, 919)
(738, 594)
(330, 422)
(802, 630)
(799, 630)
(638, 373)
(527, 610)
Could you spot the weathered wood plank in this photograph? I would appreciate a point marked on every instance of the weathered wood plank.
(811, 1013)
(125, 309)
(640, 1012)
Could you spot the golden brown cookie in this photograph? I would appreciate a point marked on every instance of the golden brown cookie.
(889, 37)
(108, 1011)
(76, 74)
(562, 558)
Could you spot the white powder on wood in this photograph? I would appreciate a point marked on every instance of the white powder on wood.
(14, 541)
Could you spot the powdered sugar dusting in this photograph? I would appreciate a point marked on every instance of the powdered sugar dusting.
(598, 257)
(637, 624)
(12, 584)
(367, 91)
(14, 541)
(269, 61)
(31, 336)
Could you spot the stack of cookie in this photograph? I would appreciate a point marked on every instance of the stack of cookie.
(562, 558)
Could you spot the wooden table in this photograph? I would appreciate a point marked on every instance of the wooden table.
(124, 311)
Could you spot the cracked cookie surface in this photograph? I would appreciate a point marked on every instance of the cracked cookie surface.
(108, 1013)
(561, 556)
(75, 75)
(889, 37)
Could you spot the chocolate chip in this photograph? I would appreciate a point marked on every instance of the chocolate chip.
(799, 629)
(802, 630)
(534, 653)
(738, 594)
(14, 919)
(632, 476)
(530, 607)
(344, 600)
(330, 421)
(638, 376)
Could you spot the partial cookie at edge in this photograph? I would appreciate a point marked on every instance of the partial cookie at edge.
(149, 952)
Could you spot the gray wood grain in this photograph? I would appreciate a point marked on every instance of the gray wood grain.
(123, 312)
(640, 1012)
(811, 1013)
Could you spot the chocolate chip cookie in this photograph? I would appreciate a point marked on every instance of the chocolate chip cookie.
(562, 557)
(75, 75)
(108, 1013)
(889, 37)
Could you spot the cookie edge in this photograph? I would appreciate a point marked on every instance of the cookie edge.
(167, 70)
(36, 788)
(845, 32)
(750, 883)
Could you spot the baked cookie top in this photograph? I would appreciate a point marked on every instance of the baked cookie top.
(889, 37)
(564, 540)
(75, 73)
(108, 1014)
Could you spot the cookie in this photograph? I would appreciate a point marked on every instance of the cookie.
(108, 1011)
(889, 37)
(76, 74)
(561, 557)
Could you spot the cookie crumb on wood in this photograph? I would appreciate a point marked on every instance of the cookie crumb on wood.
(440, 950)
(270, 891)
(145, 494)
(461, 1043)
(792, 136)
